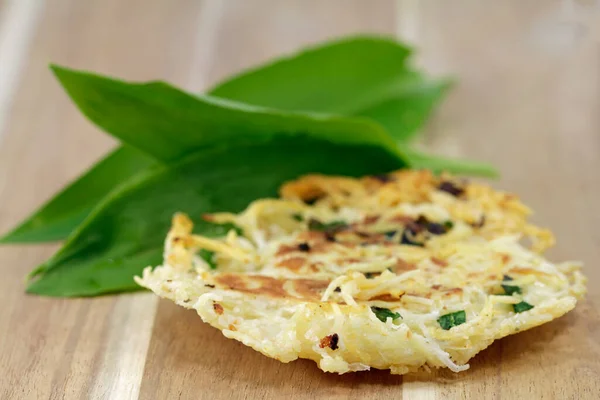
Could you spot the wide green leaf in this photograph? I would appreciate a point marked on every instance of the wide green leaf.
(168, 123)
(330, 78)
(438, 164)
(125, 233)
(57, 218)
(407, 108)
(363, 75)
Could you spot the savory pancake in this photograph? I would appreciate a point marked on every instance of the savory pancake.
(402, 271)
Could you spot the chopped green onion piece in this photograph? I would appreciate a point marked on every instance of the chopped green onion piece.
(448, 225)
(522, 306)
(316, 225)
(383, 313)
(453, 319)
(298, 217)
(207, 256)
(510, 290)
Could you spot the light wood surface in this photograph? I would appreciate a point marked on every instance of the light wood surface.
(526, 99)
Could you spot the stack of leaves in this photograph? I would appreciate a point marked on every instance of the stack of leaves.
(347, 107)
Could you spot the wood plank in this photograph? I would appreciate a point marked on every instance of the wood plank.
(79, 347)
(527, 102)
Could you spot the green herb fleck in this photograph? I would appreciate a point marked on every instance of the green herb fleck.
(448, 225)
(522, 306)
(298, 217)
(383, 313)
(333, 226)
(207, 256)
(453, 319)
(507, 278)
(510, 290)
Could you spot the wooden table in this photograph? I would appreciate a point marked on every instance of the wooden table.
(527, 100)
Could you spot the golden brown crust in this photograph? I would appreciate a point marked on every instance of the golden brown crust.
(305, 289)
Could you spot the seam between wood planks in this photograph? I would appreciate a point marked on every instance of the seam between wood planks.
(18, 23)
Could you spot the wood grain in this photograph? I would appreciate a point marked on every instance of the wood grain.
(526, 100)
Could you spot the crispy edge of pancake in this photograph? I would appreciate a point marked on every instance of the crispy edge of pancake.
(287, 328)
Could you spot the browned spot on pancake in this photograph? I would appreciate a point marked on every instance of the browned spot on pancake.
(505, 258)
(218, 308)
(403, 219)
(316, 267)
(436, 287)
(422, 295)
(286, 249)
(330, 341)
(292, 263)
(526, 271)
(439, 262)
(373, 238)
(342, 261)
(387, 297)
(362, 234)
(370, 219)
(307, 289)
(403, 266)
(321, 247)
(308, 236)
(232, 327)
(310, 288)
(256, 284)
(452, 292)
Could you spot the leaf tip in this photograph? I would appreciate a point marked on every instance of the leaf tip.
(57, 70)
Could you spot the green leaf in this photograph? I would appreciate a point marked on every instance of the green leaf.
(384, 313)
(58, 217)
(342, 77)
(522, 306)
(453, 319)
(438, 164)
(364, 75)
(407, 108)
(169, 123)
(125, 233)
(223, 229)
(330, 78)
(207, 256)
